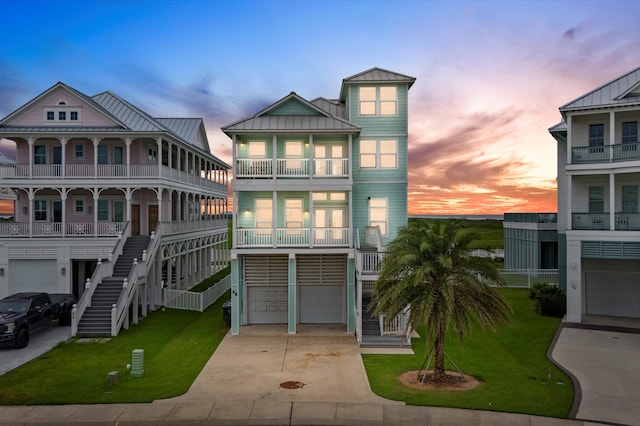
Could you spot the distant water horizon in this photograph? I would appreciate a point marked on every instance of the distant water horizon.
(458, 216)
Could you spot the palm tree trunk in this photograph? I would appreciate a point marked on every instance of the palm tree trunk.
(439, 374)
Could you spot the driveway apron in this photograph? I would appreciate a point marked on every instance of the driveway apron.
(319, 364)
(607, 367)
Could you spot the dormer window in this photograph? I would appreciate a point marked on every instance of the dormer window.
(62, 114)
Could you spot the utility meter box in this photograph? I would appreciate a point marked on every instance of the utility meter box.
(137, 363)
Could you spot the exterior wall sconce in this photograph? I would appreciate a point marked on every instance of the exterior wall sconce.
(247, 211)
(63, 271)
(25, 210)
(1, 272)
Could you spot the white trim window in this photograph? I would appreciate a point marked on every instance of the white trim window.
(152, 153)
(378, 154)
(40, 210)
(264, 212)
(61, 114)
(78, 151)
(378, 214)
(79, 205)
(378, 100)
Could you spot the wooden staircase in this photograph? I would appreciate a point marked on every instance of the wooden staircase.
(371, 336)
(96, 320)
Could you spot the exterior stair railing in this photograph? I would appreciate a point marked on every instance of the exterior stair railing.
(102, 270)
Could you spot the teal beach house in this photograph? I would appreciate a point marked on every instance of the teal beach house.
(319, 187)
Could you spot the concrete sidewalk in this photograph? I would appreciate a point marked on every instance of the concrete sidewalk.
(241, 385)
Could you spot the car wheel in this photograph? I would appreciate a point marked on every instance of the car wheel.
(22, 339)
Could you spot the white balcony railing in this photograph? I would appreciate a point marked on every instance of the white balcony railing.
(292, 167)
(292, 237)
(91, 171)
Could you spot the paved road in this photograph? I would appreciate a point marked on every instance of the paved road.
(41, 341)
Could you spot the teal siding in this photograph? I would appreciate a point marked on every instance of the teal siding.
(246, 207)
(396, 195)
(293, 107)
(242, 148)
(380, 125)
(610, 250)
(369, 174)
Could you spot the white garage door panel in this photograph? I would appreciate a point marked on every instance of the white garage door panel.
(321, 282)
(613, 294)
(33, 275)
(267, 305)
(321, 304)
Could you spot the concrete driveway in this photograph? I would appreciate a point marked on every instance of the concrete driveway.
(324, 360)
(607, 367)
(40, 342)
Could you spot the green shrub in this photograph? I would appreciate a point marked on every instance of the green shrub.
(550, 300)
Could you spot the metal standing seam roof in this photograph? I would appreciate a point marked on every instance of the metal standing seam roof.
(623, 90)
(332, 106)
(323, 121)
(376, 75)
(291, 123)
(187, 129)
(134, 118)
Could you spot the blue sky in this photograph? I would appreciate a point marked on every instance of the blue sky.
(490, 74)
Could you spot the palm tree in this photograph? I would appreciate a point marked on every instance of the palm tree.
(429, 268)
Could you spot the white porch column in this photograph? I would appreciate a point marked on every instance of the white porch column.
(63, 200)
(311, 167)
(127, 144)
(96, 142)
(63, 160)
(612, 201)
(31, 141)
(612, 133)
(569, 140)
(96, 197)
(159, 143)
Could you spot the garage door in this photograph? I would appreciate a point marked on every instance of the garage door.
(612, 293)
(321, 283)
(266, 278)
(33, 275)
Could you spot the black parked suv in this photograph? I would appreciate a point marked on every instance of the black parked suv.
(23, 313)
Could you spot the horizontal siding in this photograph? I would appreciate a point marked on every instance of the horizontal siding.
(580, 191)
(380, 125)
(396, 195)
(580, 128)
(370, 174)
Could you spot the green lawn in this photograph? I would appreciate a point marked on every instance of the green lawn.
(490, 233)
(511, 363)
(177, 345)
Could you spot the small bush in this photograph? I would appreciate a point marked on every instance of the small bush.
(550, 300)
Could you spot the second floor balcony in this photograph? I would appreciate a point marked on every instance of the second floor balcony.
(104, 171)
(292, 237)
(292, 168)
(601, 221)
(605, 153)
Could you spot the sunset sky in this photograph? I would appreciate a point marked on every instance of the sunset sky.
(490, 74)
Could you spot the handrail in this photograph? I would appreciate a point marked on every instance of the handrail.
(120, 309)
(102, 270)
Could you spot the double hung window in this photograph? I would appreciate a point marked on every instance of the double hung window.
(378, 100)
(381, 154)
